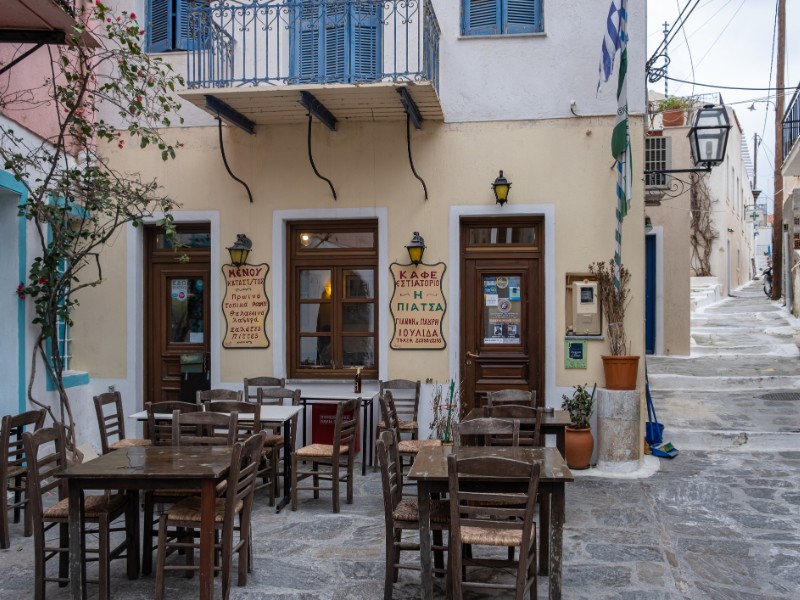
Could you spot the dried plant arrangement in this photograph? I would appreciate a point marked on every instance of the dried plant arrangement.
(613, 303)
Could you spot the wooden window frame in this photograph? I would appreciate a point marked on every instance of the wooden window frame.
(337, 260)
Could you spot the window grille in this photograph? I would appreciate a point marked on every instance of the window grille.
(657, 157)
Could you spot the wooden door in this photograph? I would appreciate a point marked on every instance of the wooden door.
(177, 313)
(502, 308)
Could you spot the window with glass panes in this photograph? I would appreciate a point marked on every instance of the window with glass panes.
(332, 298)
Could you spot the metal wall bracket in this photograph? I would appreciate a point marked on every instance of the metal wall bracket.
(318, 109)
(412, 116)
(230, 114)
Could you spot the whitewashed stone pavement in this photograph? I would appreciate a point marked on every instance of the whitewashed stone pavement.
(721, 521)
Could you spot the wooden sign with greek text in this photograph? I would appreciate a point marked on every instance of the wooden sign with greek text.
(418, 306)
(245, 306)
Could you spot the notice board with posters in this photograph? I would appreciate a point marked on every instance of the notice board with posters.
(418, 306)
(245, 306)
(502, 300)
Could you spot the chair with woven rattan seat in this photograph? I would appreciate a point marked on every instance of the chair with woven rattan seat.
(405, 393)
(492, 502)
(204, 396)
(178, 526)
(13, 470)
(338, 455)
(402, 514)
(253, 384)
(204, 428)
(515, 397)
(273, 446)
(159, 429)
(111, 420)
(406, 448)
(530, 433)
(46, 452)
(489, 432)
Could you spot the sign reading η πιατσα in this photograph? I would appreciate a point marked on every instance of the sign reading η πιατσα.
(418, 306)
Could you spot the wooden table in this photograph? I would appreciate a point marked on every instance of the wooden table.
(554, 423)
(276, 414)
(320, 393)
(148, 468)
(430, 472)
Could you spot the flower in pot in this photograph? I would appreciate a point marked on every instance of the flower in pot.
(673, 111)
(621, 368)
(579, 440)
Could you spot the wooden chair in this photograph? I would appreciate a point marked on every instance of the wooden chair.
(253, 384)
(530, 433)
(520, 397)
(159, 430)
(14, 470)
(46, 452)
(112, 423)
(403, 515)
(177, 527)
(204, 396)
(203, 428)
(406, 448)
(489, 431)
(338, 456)
(406, 399)
(273, 446)
(492, 503)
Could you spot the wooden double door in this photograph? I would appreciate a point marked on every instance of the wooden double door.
(177, 290)
(502, 307)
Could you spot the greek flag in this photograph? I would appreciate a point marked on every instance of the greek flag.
(616, 39)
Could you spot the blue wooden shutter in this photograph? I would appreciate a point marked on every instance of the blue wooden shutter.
(482, 17)
(522, 16)
(159, 25)
(182, 40)
(336, 49)
(366, 50)
(304, 60)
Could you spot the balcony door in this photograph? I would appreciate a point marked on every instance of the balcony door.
(336, 41)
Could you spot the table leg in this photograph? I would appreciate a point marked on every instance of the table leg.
(287, 466)
(556, 540)
(544, 532)
(371, 434)
(77, 567)
(305, 421)
(424, 504)
(561, 441)
(207, 501)
(363, 439)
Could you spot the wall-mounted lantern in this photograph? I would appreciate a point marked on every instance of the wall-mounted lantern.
(416, 248)
(501, 186)
(240, 249)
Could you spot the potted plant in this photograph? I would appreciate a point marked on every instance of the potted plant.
(446, 411)
(579, 440)
(620, 367)
(673, 111)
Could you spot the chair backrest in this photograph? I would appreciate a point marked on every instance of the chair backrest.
(389, 413)
(160, 429)
(204, 428)
(492, 431)
(108, 407)
(218, 394)
(249, 421)
(46, 453)
(278, 396)
(483, 493)
(521, 397)
(406, 396)
(253, 384)
(12, 448)
(530, 433)
(391, 475)
(245, 458)
(346, 427)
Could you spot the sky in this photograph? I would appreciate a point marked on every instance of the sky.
(730, 43)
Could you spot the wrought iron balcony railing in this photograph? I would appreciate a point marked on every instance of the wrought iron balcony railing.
(286, 42)
(791, 124)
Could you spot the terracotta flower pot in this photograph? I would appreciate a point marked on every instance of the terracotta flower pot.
(579, 447)
(621, 372)
(673, 118)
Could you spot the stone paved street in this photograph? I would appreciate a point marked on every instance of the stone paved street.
(721, 521)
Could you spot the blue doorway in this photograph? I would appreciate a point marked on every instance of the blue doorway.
(650, 294)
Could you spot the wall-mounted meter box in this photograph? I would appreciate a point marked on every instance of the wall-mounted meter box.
(585, 308)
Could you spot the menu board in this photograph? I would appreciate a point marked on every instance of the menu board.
(245, 306)
(502, 309)
(418, 306)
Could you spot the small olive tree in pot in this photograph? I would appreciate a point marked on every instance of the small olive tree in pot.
(579, 440)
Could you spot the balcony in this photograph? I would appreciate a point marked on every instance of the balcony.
(791, 137)
(352, 55)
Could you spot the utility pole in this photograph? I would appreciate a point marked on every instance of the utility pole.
(777, 211)
(755, 161)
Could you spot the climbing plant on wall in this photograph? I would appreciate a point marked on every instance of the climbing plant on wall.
(701, 228)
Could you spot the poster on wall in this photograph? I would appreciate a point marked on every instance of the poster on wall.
(418, 306)
(245, 306)
(502, 309)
